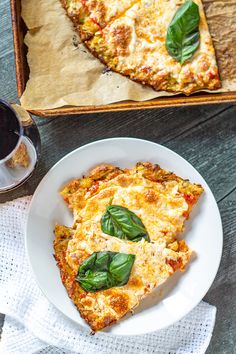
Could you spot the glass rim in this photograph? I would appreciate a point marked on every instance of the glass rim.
(8, 106)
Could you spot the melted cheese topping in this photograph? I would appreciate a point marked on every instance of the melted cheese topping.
(161, 199)
(151, 265)
(129, 37)
(154, 264)
(145, 58)
(160, 207)
(98, 12)
(163, 204)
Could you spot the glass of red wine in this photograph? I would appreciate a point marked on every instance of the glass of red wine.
(19, 146)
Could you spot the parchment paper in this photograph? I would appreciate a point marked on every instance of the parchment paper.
(64, 73)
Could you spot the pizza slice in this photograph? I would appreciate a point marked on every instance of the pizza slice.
(160, 200)
(160, 43)
(106, 277)
(90, 16)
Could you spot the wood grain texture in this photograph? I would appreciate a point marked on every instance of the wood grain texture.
(19, 31)
(60, 136)
(211, 148)
(172, 101)
(223, 291)
(204, 135)
(1, 323)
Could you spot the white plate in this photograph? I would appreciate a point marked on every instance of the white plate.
(203, 234)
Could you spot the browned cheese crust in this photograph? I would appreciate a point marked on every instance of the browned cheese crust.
(163, 201)
(76, 192)
(103, 308)
(119, 302)
(129, 38)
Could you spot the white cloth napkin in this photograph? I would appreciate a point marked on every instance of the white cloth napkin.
(33, 325)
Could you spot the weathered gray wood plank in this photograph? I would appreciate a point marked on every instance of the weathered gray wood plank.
(62, 135)
(7, 66)
(1, 323)
(223, 291)
(211, 148)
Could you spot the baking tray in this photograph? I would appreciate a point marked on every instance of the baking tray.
(22, 75)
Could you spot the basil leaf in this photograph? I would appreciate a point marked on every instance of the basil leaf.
(120, 222)
(119, 269)
(183, 37)
(94, 281)
(102, 261)
(104, 270)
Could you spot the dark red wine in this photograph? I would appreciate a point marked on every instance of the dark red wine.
(9, 130)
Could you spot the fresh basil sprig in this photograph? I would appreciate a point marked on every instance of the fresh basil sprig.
(120, 222)
(183, 37)
(104, 270)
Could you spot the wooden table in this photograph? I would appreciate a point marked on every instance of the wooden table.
(204, 135)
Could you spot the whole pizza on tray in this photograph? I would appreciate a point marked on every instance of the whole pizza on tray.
(165, 44)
